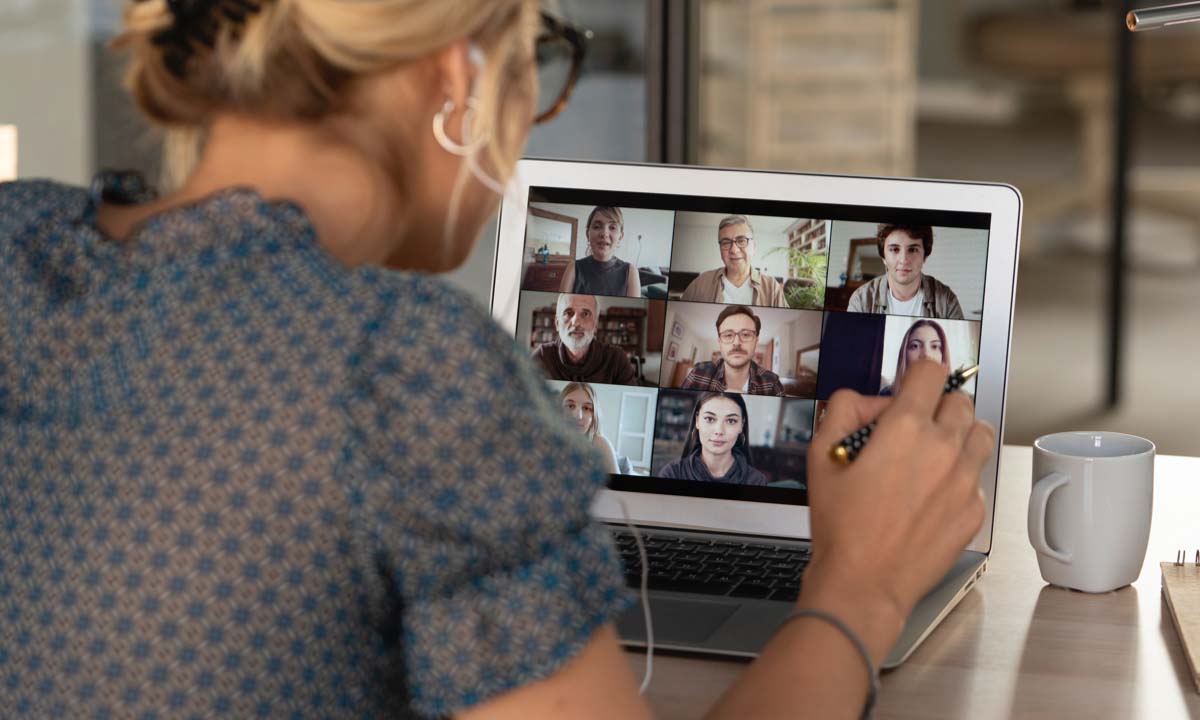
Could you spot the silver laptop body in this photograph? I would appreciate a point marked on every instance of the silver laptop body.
(670, 234)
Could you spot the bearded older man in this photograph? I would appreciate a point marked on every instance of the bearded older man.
(576, 355)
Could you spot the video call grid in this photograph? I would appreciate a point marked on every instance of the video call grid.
(819, 397)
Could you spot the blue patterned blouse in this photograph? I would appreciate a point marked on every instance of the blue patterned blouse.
(238, 479)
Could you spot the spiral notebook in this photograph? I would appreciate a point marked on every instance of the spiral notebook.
(1181, 588)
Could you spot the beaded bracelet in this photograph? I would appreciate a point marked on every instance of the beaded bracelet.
(873, 690)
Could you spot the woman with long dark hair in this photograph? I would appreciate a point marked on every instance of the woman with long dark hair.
(718, 443)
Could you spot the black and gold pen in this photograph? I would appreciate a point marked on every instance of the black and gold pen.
(848, 449)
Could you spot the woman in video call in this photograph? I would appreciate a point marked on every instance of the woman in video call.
(718, 443)
(601, 272)
(925, 340)
(258, 462)
(579, 401)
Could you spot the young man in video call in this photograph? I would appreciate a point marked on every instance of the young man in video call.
(576, 355)
(737, 281)
(736, 371)
(905, 289)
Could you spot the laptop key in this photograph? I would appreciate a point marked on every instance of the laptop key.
(782, 567)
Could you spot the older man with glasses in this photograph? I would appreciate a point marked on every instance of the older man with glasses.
(736, 371)
(737, 281)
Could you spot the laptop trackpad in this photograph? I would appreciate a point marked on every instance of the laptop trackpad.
(677, 620)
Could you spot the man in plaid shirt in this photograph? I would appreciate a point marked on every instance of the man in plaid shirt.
(736, 371)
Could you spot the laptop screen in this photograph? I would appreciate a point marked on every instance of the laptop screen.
(696, 340)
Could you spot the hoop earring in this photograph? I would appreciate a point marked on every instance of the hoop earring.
(465, 149)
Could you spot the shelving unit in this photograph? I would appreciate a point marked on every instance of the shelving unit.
(814, 85)
(674, 415)
(808, 236)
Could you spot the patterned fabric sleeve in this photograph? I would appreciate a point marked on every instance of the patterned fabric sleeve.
(477, 503)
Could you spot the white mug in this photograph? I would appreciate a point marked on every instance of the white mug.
(1089, 511)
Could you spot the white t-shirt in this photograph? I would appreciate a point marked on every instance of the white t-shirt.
(914, 307)
(735, 295)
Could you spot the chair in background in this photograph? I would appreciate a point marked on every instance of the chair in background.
(1074, 49)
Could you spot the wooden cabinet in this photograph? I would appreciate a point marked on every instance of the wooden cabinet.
(545, 277)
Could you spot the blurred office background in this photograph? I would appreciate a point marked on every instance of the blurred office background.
(1016, 91)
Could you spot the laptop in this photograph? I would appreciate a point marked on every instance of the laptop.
(710, 315)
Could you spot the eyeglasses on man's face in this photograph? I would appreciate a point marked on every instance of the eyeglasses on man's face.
(741, 241)
(728, 336)
(559, 54)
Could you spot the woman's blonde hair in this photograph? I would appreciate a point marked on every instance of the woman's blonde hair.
(591, 393)
(296, 60)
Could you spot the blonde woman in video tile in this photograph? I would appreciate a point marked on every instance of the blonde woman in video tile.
(579, 401)
(601, 272)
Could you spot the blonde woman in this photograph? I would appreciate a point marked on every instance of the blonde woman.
(578, 399)
(601, 272)
(256, 466)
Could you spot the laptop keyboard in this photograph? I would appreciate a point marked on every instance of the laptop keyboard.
(714, 567)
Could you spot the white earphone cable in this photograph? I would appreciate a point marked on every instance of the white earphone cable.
(637, 538)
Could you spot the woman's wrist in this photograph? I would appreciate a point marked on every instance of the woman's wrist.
(876, 618)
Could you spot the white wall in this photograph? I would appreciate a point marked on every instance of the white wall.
(8, 152)
(961, 335)
(45, 86)
(806, 331)
(959, 260)
(696, 249)
(764, 418)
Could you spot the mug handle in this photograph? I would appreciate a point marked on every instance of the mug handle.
(1037, 514)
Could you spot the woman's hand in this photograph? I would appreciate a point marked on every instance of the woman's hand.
(886, 528)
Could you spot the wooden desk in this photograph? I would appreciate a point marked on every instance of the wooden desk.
(1017, 647)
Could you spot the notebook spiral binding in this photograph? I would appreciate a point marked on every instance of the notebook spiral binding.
(1181, 590)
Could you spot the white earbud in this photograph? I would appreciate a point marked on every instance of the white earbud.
(476, 56)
